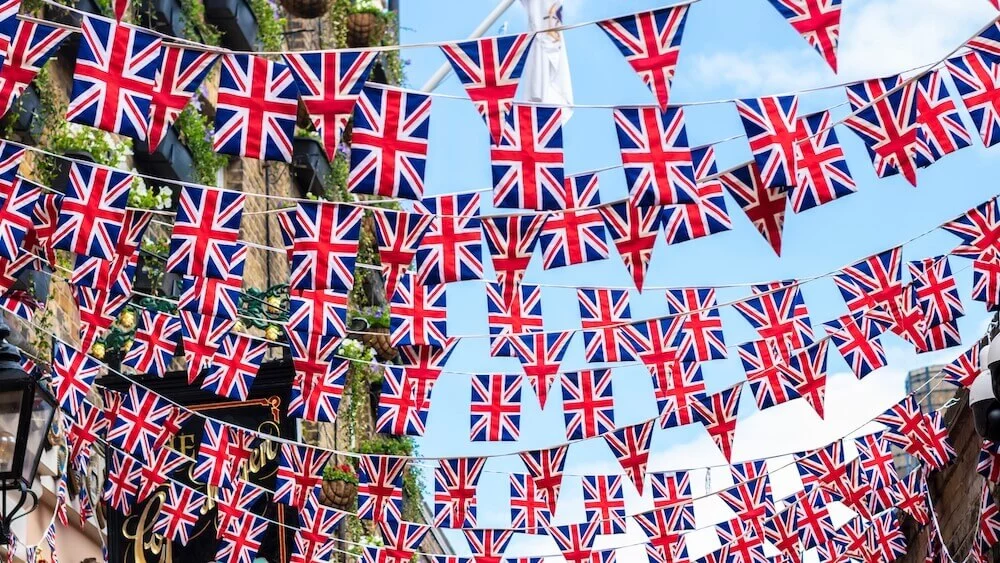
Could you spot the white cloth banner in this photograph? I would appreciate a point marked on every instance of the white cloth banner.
(546, 76)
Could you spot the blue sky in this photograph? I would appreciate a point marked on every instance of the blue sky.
(731, 49)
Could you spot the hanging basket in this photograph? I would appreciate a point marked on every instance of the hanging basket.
(339, 494)
(378, 339)
(306, 9)
(364, 29)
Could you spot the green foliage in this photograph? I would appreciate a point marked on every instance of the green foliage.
(65, 137)
(270, 28)
(343, 472)
(336, 23)
(404, 446)
(142, 197)
(376, 316)
(193, 17)
(393, 65)
(193, 128)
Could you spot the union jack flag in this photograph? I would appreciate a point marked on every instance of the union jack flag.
(979, 229)
(664, 529)
(824, 467)
(325, 247)
(989, 461)
(630, 445)
(940, 450)
(115, 275)
(114, 77)
(319, 376)
(936, 290)
(455, 483)
(300, 470)
(529, 510)
(154, 343)
(8, 23)
(856, 338)
(139, 423)
(401, 411)
(329, 84)
(241, 540)
(987, 42)
(633, 229)
(380, 487)
(32, 45)
(751, 501)
(540, 355)
(908, 426)
(179, 512)
(604, 503)
(10, 162)
(511, 242)
(576, 235)
(765, 207)
(772, 127)
(977, 78)
(545, 469)
(807, 369)
(401, 540)
(908, 320)
(651, 44)
(937, 112)
(749, 471)
(989, 517)
(813, 519)
(588, 403)
(488, 545)
(702, 338)
(986, 280)
(740, 543)
(221, 454)
(604, 556)
(419, 314)
(913, 496)
(495, 409)
(452, 248)
(122, 484)
(17, 212)
(782, 531)
(490, 69)
(670, 488)
(201, 337)
(98, 311)
(718, 413)
(217, 297)
(73, 374)
(527, 161)
(206, 227)
(821, 168)
(423, 365)
(873, 283)
(92, 211)
(233, 502)
(574, 540)
(83, 430)
(779, 314)
(399, 235)
(770, 385)
(708, 214)
(234, 367)
(155, 472)
(852, 539)
(46, 218)
(884, 115)
(319, 312)
(256, 108)
(389, 143)
(963, 370)
(178, 77)
(603, 314)
(676, 386)
(885, 540)
(817, 21)
(656, 156)
(656, 342)
(314, 537)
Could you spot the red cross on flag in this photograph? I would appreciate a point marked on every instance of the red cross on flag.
(718, 413)
(630, 445)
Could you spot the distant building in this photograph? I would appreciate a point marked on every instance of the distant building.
(930, 400)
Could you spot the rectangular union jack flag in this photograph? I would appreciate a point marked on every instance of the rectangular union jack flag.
(389, 143)
(633, 229)
(529, 510)
(217, 297)
(115, 275)
(656, 156)
(822, 174)
(979, 229)
(817, 21)
(18, 198)
(765, 207)
(423, 365)
(201, 336)
(73, 374)
(380, 487)
(319, 312)
(670, 488)
(398, 234)
(92, 211)
(937, 112)
(603, 316)
(963, 370)
(511, 243)
(221, 449)
(772, 128)
(676, 387)
(455, 482)
(588, 403)
(300, 471)
(32, 46)
(139, 423)
(873, 283)
(401, 412)
(856, 338)
(452, 248)
(522, 316)
(604, 502)
(527, 161)
(98, 311)
(256, 109)
(707, 216)
(114, 77)
(178, 77)
(884, 115)
(576, 234)
(206, 227)
(155, 341)
(240, 540)
(122, 484)
(977, 78)
(702, 338)
(329, 84)
(419, 313)
(495, 409)
(937, 293)
(651, 44)
(490, 70)
(807, 368)
(779, 314)
(235, 366)
(941, 336)
(319, 376)
(325, 246)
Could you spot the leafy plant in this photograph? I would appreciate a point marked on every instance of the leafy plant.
(270, 26)
(404, 446)
(376, 316)
(368, 7)
(67, 137)
(194, 130)
(144, 198)
(343, 472)
(193, 17)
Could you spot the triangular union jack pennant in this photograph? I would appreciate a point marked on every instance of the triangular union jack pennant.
(399, 235)
(779, 314)
(114, 77)
(986, 280)
(977, 78)
(223, 451)
(206, 227)
(989, 461)
(807, 368)
(771, 125)
(314, 537)
(490, 69)
(300, 470)
(154, 343)
(940, 451)
(18, 198)
(32, 46)
(452, 248)
(818, 22)
(884, 115)
(401, 412)
(631, 447)
(92, 211)
(765, 207)
(656, 156)
(318, 312)
(139, 423)
(633, 230)
(180, 74)
(718, 413)
(575, 540)
(201, 337)
(588, 403)
(495, 408)
(527, 161)
(511, 243)
(423, 366)
(529, 510)
(604, 503)
(122, 484)
(824, 467)
(401, 540)
(702, 338)
(937, 112)
(455, 483)
(234, 367)
(73, 374)
(329, 85)
(873, 283)
(822, 173)
(913, 496)
(418, 313)
(651, 43)
(664, 529)
(989, 517)
(676, 387)
(740, 542)
(937, 293)
(241, 539)
(545, 469)
(603, 313)
(179, 513)
(782, 531)
(575, 235)
(325, 246)
(963, 370)
(256, 109)
(389, 143)
(320, 376)
(856, 337)
(115, 275)
(751, 501)
(987, 42)
(670, 488)
(84, 429)
(488, 545)
(708, 215)
(885, 540)
(770, 385)
(540, 355)
(380, 487)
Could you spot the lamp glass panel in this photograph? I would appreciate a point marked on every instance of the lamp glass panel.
(10, 418)
(41, 418)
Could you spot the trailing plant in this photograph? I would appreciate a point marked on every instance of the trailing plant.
(376, 316)
(393, 65)
(270, 26)
(336, 22)
(194, 130)
(193, 17)
(361, 374)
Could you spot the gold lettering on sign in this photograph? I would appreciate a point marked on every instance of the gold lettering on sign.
(142, 536)
(267, 451)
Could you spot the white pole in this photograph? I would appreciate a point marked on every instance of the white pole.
(442, 72)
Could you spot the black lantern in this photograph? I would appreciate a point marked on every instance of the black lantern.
(26, 411)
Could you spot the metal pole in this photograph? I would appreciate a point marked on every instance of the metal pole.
(491, 19)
